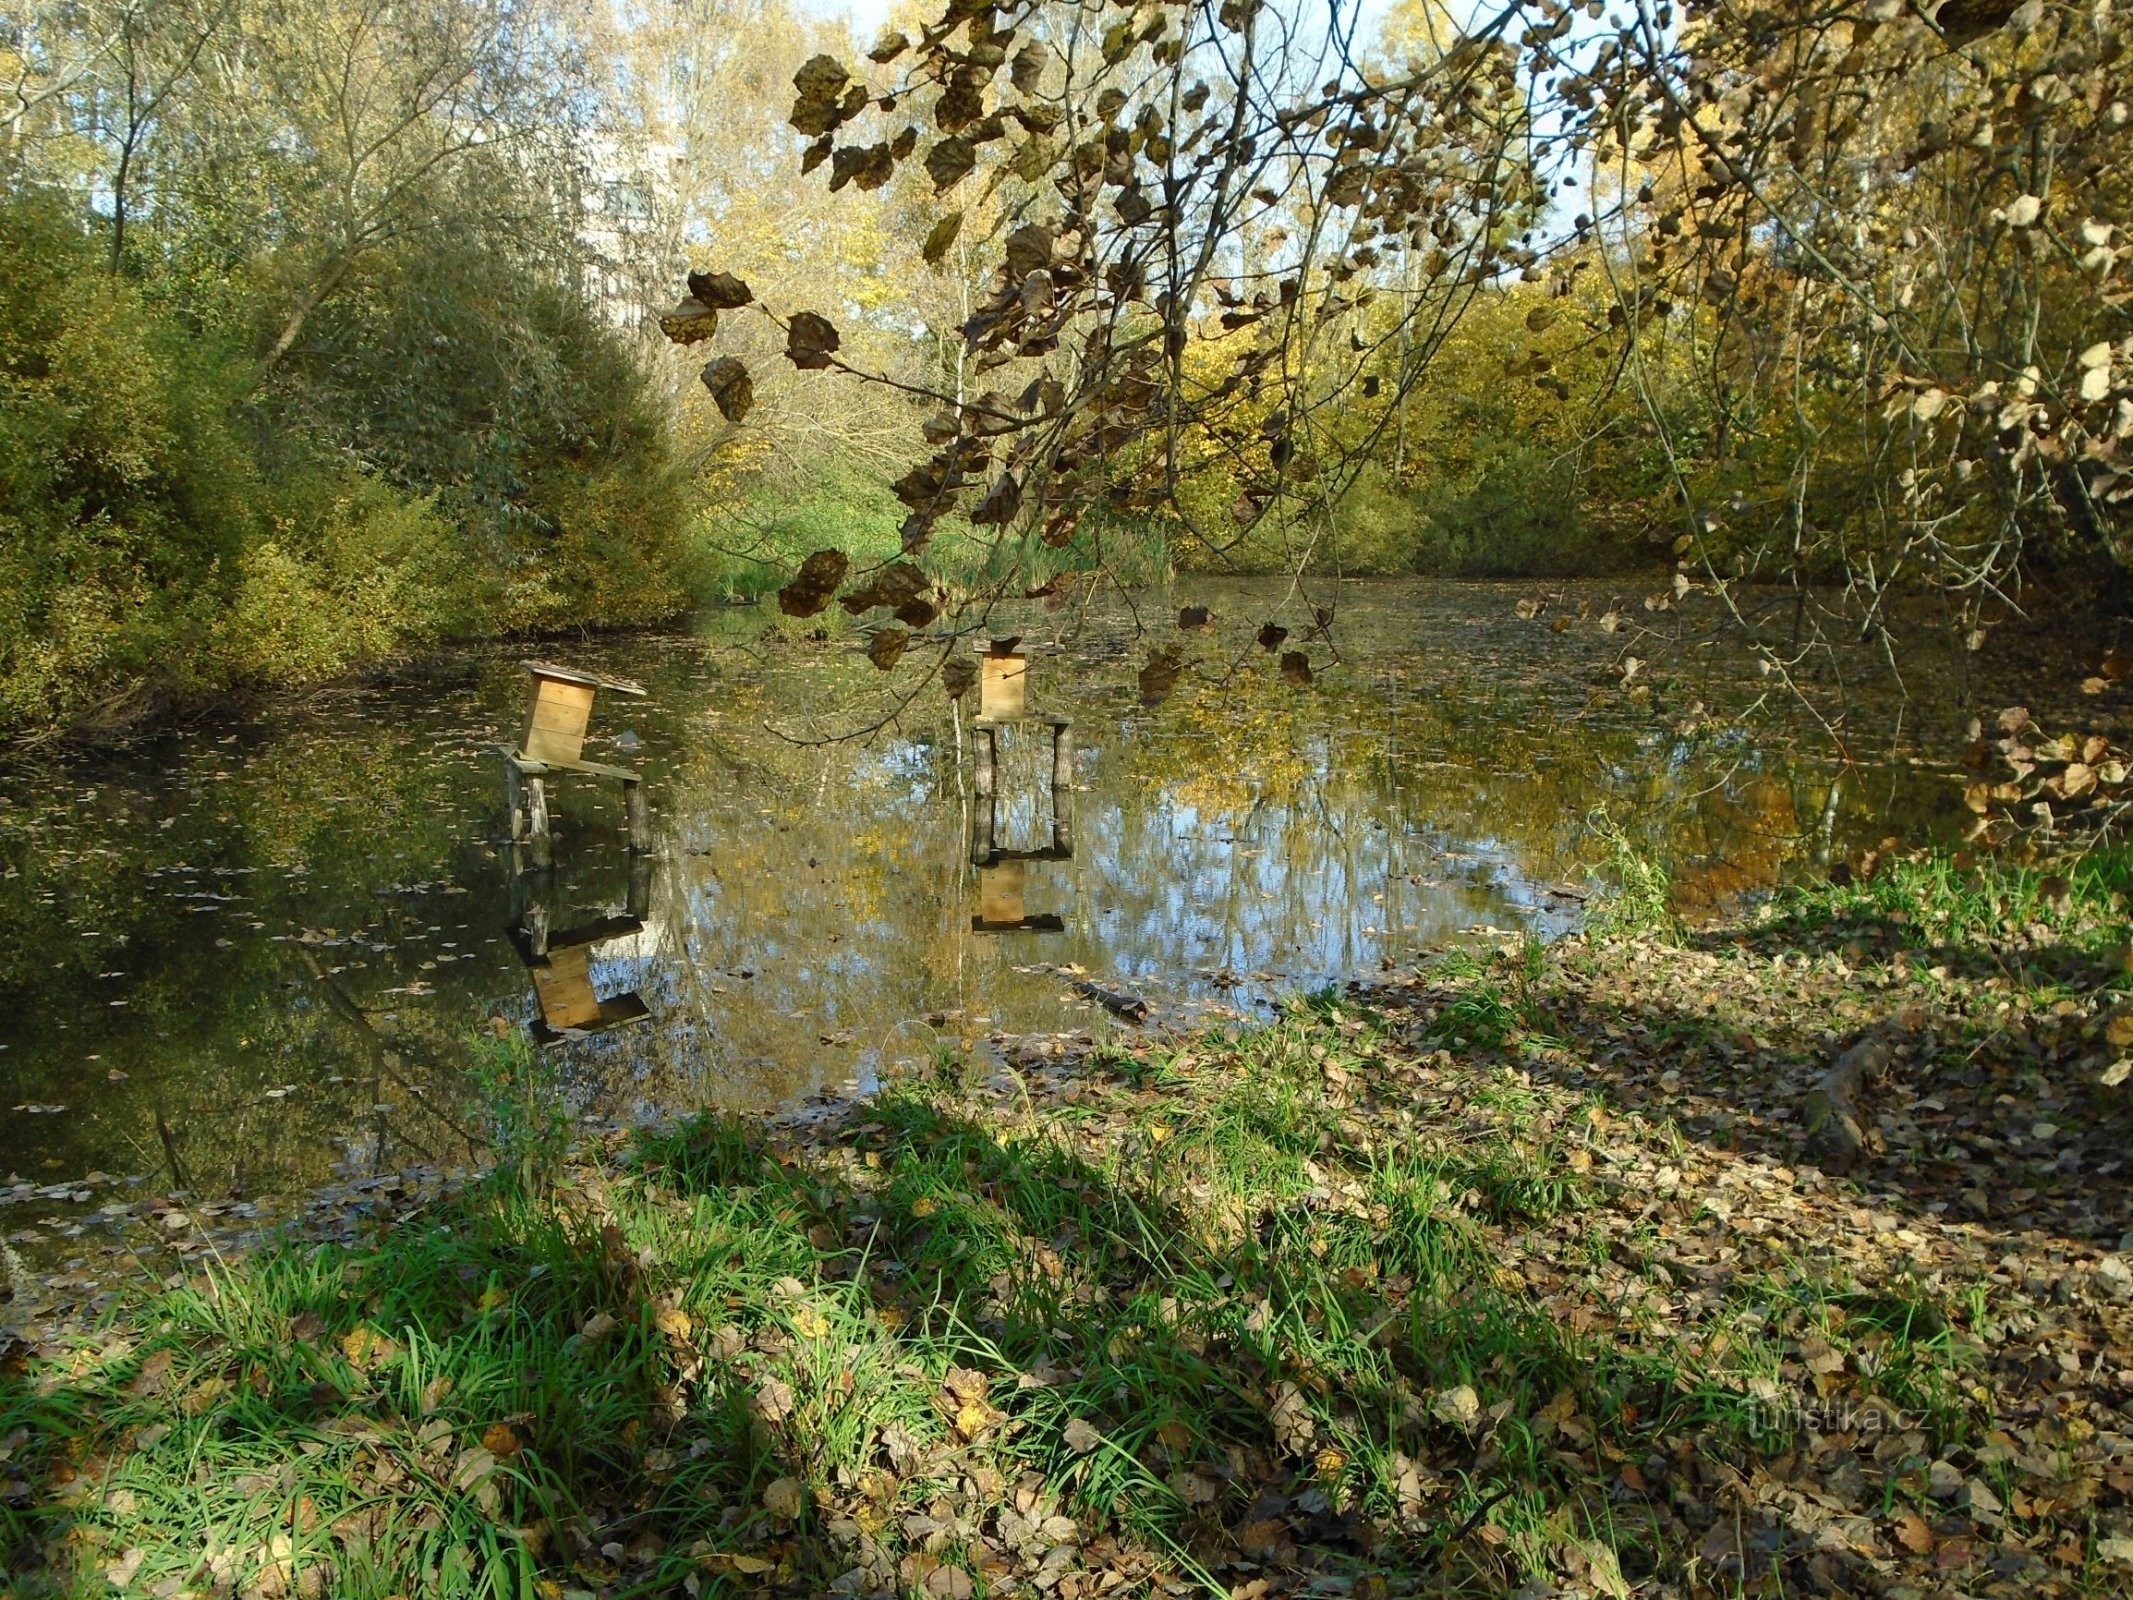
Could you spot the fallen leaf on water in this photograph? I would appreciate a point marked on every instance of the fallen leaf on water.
(1160, 676)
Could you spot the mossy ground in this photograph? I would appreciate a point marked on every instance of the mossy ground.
(1503, 1276)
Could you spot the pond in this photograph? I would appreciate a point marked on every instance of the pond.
(249, 959)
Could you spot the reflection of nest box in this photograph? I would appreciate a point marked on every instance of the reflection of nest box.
(563, 986)
(561, 968)
(1003, 884)
(1003, 700)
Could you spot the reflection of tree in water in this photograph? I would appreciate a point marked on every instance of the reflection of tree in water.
(1438, 776)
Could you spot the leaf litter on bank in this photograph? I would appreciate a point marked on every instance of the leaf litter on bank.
(1333, 1306)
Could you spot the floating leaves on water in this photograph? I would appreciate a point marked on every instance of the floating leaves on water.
(732, 391)
(887, 647)
(958, 673)
(1194, 617)
(1160, 675)
(894, 585)
(1295, 667)
(721, 291)
(809, 341)
(1271, 635)
(816, 581)
(689, 322)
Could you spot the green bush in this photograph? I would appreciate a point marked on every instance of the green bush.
(349, 572)
(1519, 515)
(460, 448)
(126, 493)
(462, 372)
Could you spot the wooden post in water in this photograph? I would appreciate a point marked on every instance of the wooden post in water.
(1062, 754)
(540, 842)
(1003, 701)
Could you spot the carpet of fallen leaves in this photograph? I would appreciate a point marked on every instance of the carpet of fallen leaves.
(1911, 1379)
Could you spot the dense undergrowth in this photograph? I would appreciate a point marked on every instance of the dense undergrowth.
(1507, 1273)
(451, 457)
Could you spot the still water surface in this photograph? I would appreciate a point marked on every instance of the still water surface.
(251, 957)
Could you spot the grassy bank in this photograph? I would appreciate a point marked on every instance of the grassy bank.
(1507, 1275)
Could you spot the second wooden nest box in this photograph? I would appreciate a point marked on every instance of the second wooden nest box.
(559, 710)
(1003, 681)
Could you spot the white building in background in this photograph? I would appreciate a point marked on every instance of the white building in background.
(632, 225)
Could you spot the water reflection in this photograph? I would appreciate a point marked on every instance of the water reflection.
(561, 960)
(274, 941)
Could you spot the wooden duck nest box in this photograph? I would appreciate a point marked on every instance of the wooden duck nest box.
(559, 708)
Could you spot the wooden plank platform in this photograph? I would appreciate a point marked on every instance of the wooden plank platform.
(589, 680)
(534, 767)
(1047, 719)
